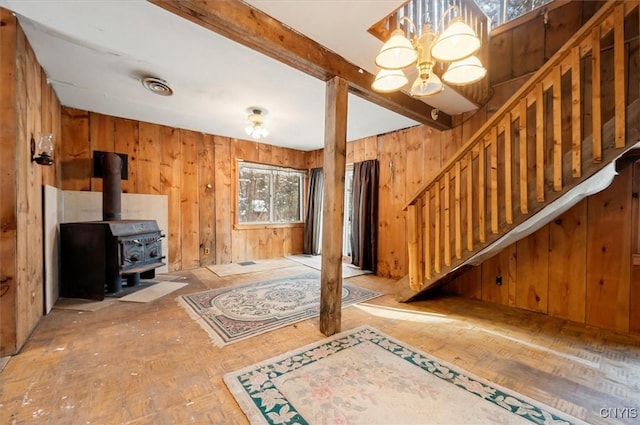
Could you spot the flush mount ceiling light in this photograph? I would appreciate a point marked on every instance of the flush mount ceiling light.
(456, 45)
(157, 86)
(255, 127)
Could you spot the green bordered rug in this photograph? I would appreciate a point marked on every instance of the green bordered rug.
(366, 377)
(234, 313)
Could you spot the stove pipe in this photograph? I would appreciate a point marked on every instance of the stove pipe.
(112, 168)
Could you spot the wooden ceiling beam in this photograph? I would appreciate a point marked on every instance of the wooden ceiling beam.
(258, 31)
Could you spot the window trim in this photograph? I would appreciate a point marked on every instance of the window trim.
(237, 225)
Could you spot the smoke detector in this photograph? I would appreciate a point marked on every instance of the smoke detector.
(157, 86)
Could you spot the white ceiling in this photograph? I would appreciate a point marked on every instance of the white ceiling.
(95, 52)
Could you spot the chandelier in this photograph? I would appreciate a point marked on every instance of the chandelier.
(255, 127)
(456, 46)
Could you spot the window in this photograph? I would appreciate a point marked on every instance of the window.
(503, 11)
(269, 195)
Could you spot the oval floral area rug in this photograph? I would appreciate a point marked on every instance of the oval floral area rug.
(366, 377)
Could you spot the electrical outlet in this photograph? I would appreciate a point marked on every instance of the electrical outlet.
(499, 280)
(207, 251)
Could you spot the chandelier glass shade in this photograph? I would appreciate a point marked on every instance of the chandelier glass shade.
(458, 41)
(397, 52)
(456, 45)
(389, 80)
(428, 86)
(465, 71)
(255, 127)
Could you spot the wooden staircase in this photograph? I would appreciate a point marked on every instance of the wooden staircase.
(538, 146)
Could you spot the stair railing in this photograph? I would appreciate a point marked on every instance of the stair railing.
(530, 151)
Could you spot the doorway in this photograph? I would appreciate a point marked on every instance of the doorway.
(348, 212)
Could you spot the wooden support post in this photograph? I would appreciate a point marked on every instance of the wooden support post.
(335, 149)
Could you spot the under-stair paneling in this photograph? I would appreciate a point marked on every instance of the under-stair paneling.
(532, 277)
(567, 264)
(496, 272)
(578, 267)
(634, 291)
(634, 301)
(469, 284)
(609, 255)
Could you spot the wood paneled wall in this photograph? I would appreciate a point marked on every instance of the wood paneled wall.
(196, 171)
(407, 158)
(28, 107)
(523, 45)
(578, 267)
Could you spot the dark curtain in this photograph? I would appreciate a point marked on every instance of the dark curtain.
(364, 233)
(313, 219)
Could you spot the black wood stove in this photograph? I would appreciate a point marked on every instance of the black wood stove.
(98, 255)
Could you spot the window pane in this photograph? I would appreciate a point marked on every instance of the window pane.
(253, 195)
(269, 194)
(502, 11)
(287, 198)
